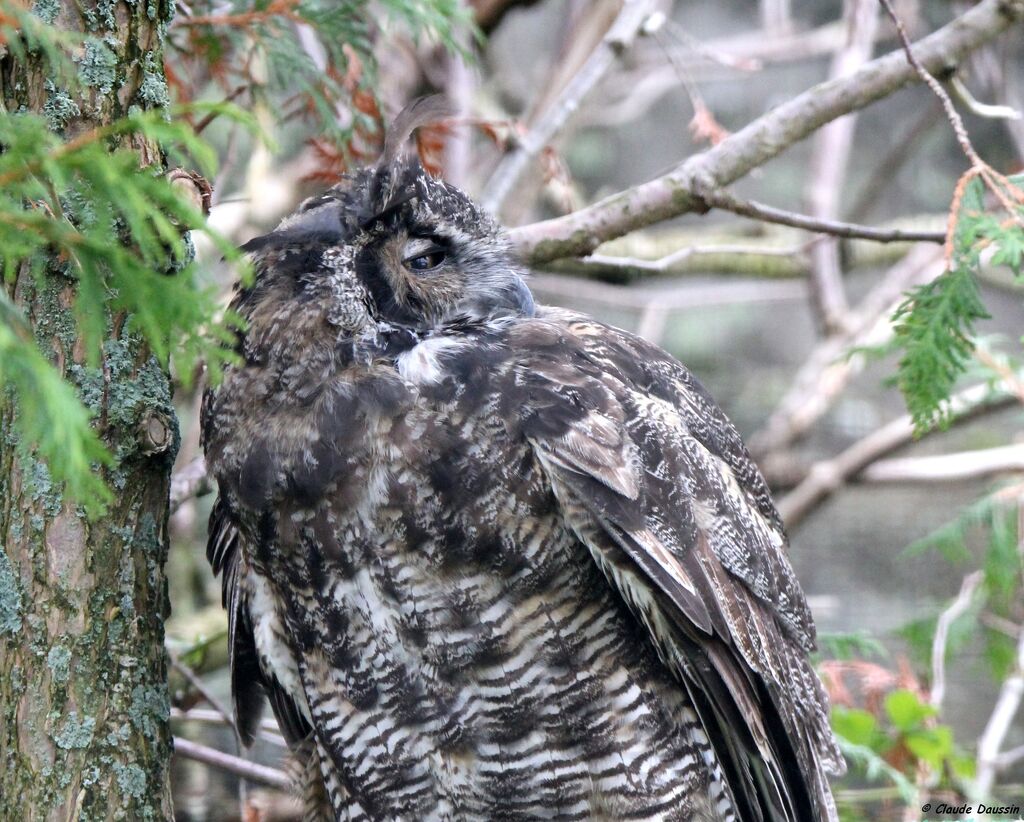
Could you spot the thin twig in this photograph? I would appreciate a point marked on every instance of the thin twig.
(940, 641)
(194, 680)
(260, 774)
(987, 111)
(951, 113)
(619, 37)
(719, 198)
(213, 115)
(267, 727)
(1004, 190)
(1002, 370)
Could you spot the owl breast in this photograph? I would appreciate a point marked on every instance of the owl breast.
(459, 651)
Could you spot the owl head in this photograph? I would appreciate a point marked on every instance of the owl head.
(389, 247)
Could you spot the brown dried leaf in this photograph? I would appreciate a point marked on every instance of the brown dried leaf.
(704, 126)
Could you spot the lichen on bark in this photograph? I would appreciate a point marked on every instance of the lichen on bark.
(83, 698)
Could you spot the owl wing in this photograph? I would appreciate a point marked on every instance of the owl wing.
(250, 685)
(655, 481)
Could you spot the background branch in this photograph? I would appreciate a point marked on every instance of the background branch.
(619, 37)
(259, 774)
(831, 364)
(829, 475)
(685, 189)
(828, 168)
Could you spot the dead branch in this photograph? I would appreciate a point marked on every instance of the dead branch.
(990, 761)
(260, 774)
(1004, 190)
(828, 476)
(940, 641)
(988, 111)
(732, 250)
(676, 297)
(963, 465)
(269, 731)
(686, 188)
(828, 168)
(764, 261)
(927, 77)
(830, 366)
(719, 198)
(193, 679)
(620, 36)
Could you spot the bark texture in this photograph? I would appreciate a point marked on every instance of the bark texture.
(83, 698)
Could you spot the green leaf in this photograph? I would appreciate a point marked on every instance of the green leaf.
(875, 767)
(931, 745)
(1000, 654)
(906, 711)
(854, 724)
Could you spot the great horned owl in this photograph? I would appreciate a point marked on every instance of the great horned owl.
(489, 559)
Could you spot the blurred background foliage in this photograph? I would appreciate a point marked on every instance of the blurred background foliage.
(909, 546)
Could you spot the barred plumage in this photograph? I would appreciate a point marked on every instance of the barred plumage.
(490, 560)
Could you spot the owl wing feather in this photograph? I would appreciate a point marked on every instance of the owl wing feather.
(655, 481)
(250, 685)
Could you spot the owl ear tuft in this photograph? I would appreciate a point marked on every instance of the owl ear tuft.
(422, 111)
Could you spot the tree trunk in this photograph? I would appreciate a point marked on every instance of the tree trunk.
(83, 697)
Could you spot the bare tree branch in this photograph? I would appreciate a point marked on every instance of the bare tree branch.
(926, 75)
(729, 249)
(829, 368)
(686, 188)
(619, 37)
(827, 476)
(988, 111)
(783, 261)
(941, 639)
(956, 467)
(691, 295)
(719, 198)
(259, 774)
(269, 731)
(197, 683)
(828, 166)
(1003, 714)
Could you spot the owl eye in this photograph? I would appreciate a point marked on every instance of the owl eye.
(426, 260)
